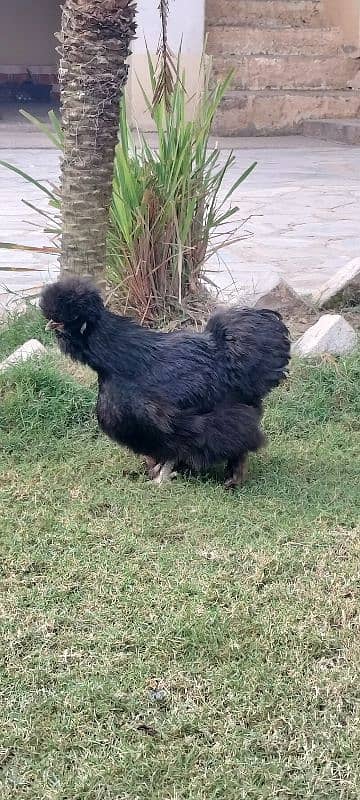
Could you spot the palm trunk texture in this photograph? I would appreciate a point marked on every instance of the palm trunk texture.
(95, 42)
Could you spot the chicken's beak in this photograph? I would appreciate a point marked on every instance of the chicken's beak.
(54, 326)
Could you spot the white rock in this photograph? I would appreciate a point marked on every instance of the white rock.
(342, 287)
(330, 334)
(28, 350)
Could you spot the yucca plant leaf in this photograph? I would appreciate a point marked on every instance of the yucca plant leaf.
(28, 178)
(56, 125)
(40, 211)
(240, 180)
(52, 131)
(29, 248)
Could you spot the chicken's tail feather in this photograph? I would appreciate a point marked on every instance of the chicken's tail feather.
(256, 349)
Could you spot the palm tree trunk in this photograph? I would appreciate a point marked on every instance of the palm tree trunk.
(94, 45)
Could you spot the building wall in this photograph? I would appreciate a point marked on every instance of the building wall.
(27, 34)
(27, 30)
(346, 15)
(186, 25)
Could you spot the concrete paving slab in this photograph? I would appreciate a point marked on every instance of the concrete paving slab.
(298, 212)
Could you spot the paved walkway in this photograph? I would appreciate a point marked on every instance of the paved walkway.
(301, 207)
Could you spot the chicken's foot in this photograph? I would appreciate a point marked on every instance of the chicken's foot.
(166, 473)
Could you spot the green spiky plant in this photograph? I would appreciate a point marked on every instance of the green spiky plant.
(168, 212)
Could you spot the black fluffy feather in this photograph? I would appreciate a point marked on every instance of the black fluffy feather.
(193, 398)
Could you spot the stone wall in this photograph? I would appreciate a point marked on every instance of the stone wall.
(345, 14)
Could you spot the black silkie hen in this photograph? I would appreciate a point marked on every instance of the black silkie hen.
(182, 398)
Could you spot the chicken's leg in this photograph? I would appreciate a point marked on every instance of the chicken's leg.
(151, 466)
(237, 469)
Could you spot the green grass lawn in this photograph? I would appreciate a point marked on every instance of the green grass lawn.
(178, 643)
